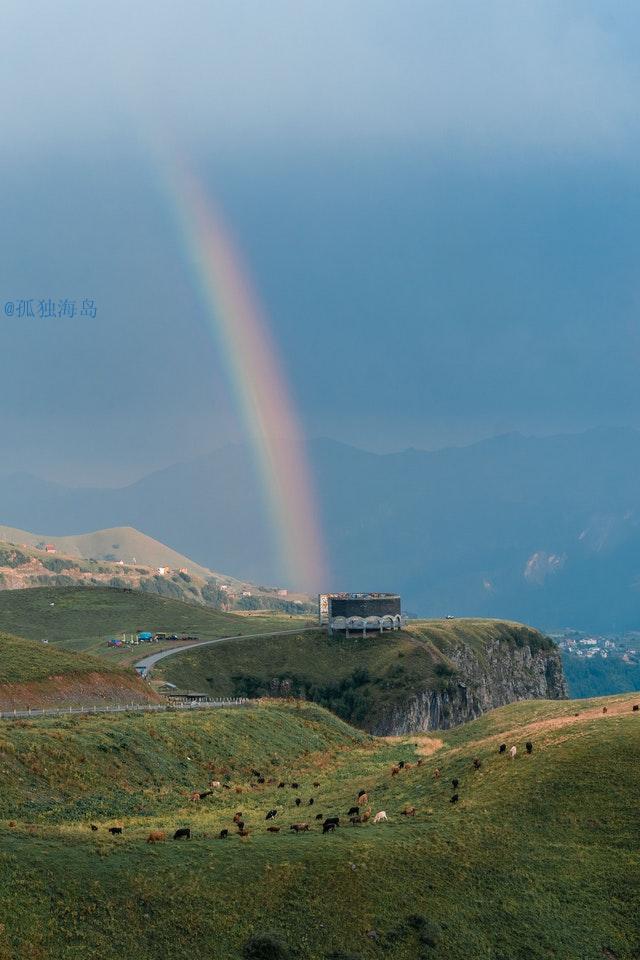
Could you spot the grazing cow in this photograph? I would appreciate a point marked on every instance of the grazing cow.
(311, 801)
(273, 829)
(156, 836)
(223, 834)
(354, 820)
(256, 773)
(395, 771)
(238, 789)
(352, 811)
(409, 811)
(513, 752)
(260, 779)
(604, 709)
(362, 800)
(366, 815)
(402, 764)
(242, 832)
(299, 827)
(195, 797)
(635, 707)
(183, 833)
(529, 746)
(204, 793)
(454, 784)
(93, 826)
(114, 830)
(298, 801)
(454, 798)
(477, 763)
(334, 820)
(328, 826)
(319, 816)
(294, 786)
(361, 793)
(281, 785)
(216, 784)
(502, 748)
(240, 826)
(380, 816)
(419, 762)
(316, 783)
(271, 815)
(436, 774)
(237, 817)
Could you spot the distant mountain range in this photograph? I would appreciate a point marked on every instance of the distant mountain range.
(545, 530)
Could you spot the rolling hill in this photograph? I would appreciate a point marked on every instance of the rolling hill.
(433, 674)
(538, 859)
(82, 618)
(37, 675)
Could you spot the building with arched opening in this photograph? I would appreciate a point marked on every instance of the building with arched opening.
(360, 612)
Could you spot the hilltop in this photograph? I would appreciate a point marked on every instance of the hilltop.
(82, 618)
(435, 673)
(37, 675)
(124, 557)
(538, 858)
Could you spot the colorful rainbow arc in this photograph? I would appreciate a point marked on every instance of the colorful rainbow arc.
(236, 316)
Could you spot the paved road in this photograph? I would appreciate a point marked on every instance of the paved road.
(145, 665)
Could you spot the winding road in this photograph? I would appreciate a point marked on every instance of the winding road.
(145, 665)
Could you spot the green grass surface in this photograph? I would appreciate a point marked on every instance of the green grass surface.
(361, 679)
(26, 661)
(537, 860)
(80, 618)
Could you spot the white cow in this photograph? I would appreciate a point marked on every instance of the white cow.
(379, 817)
(512, 752)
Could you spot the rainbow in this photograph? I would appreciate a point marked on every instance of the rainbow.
(236, 316)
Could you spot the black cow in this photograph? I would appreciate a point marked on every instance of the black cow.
(184, 833)
(361, 793)
(294, 786)
(93, 826)
(502, 748)
(353, 810)
(311, 801)
(477, 763)
(281, 785)
(529, 746)
(454, 798)
(114, 830)
(271, 815)
(319, 816)
(256, 773)
(298, 801)
(260, 779)
(454, 784)
(223, 834)
(635, 708)
(240, 826)
(328, 826)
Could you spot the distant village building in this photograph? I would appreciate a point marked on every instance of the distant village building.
(162, 571)
(283, 593)
(50, 548)
(360, 612)
(246, 593)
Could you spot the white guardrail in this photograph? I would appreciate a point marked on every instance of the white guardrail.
(126, 708)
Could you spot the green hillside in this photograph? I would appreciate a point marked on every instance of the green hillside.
(360, 679)
(538, 859)
(80, 618)
(25, 661)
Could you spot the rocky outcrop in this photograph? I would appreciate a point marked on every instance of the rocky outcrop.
(503, 673)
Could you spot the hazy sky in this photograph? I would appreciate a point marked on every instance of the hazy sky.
(438, 203)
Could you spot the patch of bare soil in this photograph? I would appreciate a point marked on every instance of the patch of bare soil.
(82, 689)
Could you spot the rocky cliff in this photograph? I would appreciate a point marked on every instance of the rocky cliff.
(501, 673)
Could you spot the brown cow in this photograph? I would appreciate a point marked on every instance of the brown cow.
(409, 811)
(363, 800)
(299, 827)
(395, 771)
(237, 817)
(273, 829)
(156, 836)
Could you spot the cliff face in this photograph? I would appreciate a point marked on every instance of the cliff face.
(505, 673)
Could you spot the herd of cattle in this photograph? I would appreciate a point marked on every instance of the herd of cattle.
(359, 813)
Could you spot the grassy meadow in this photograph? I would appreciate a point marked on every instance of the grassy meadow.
(80, 619)
(538, 859)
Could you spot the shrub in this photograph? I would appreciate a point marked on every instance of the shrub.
(265, 946)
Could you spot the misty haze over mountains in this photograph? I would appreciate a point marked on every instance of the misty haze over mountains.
(545, 530)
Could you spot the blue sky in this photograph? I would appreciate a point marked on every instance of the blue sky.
(438, 203)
